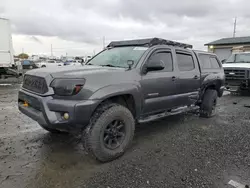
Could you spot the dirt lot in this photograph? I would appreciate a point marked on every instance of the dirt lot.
(179, 151)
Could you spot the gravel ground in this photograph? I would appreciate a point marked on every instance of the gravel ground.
(179, 151)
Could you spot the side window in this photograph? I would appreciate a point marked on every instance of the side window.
(205, 62)
(214, 63)
(208, 62)
(185, 62)
(166, 58)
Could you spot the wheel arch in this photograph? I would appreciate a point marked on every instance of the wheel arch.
(215, 85)
(126, 95)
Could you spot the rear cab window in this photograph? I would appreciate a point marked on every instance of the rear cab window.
(208, 62)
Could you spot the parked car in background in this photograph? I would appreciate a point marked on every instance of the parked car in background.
(27, 64)
(237, 72)
(67, 63)
(50, 64)
(74, 63)
(130, 82)
(40, 63)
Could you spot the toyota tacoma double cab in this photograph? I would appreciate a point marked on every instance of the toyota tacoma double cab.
(129, 82)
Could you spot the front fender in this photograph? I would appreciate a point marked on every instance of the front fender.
(121, 89)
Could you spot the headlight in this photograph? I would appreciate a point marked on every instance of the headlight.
(67, 87)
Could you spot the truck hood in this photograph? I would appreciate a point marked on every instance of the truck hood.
(73, 71)
(236, 65)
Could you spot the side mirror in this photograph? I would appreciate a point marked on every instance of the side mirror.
(155, 65)
(130, 63)
(223, 61)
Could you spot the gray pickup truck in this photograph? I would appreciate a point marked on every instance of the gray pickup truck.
(129, 82)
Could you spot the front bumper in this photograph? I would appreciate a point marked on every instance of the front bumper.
(48, 112)
(236, 85)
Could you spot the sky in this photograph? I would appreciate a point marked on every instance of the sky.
(78, 27)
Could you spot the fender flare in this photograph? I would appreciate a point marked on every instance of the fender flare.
(122, 89)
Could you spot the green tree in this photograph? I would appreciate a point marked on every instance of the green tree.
(23, 56)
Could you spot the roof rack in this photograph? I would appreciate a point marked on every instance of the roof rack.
(148, 42)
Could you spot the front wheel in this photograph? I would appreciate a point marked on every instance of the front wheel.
(110, 132)
(209, 102)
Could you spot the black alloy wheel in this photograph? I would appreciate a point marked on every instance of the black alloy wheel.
(114, 134)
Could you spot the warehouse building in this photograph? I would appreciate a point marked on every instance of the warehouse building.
(226, 46)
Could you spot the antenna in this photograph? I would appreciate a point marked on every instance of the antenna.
(103, 42)
(51, 50)
(235, 24)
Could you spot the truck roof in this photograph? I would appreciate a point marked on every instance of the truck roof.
(148, 42)
(204, 52)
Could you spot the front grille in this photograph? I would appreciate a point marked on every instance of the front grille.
(35, 83)
(235, 74)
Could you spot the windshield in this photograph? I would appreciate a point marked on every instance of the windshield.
(118, 57)
(239, 58)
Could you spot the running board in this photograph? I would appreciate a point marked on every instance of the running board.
(168, 113)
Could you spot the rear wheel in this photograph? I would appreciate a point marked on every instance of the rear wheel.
(110, 132)
(209, 102)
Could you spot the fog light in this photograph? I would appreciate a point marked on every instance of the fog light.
(66, 116)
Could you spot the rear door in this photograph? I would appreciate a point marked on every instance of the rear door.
(189, 77)
(159, 87)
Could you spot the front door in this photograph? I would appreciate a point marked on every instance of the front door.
(159, 87)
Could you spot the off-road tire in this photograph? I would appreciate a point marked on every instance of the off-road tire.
(93, 134)
(208, 105)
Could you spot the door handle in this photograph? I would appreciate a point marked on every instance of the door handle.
(173, 78)
(196, 77)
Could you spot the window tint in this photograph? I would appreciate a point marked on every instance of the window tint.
(166, 58)
(214, 63)
(205, 62)
(208, 62)
(185, 62)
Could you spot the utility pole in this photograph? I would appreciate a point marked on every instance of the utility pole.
(235, 24)
(22, 50)
(51, 51)
(103, 41)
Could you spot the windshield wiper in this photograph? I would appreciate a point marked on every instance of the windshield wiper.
(109, 65)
